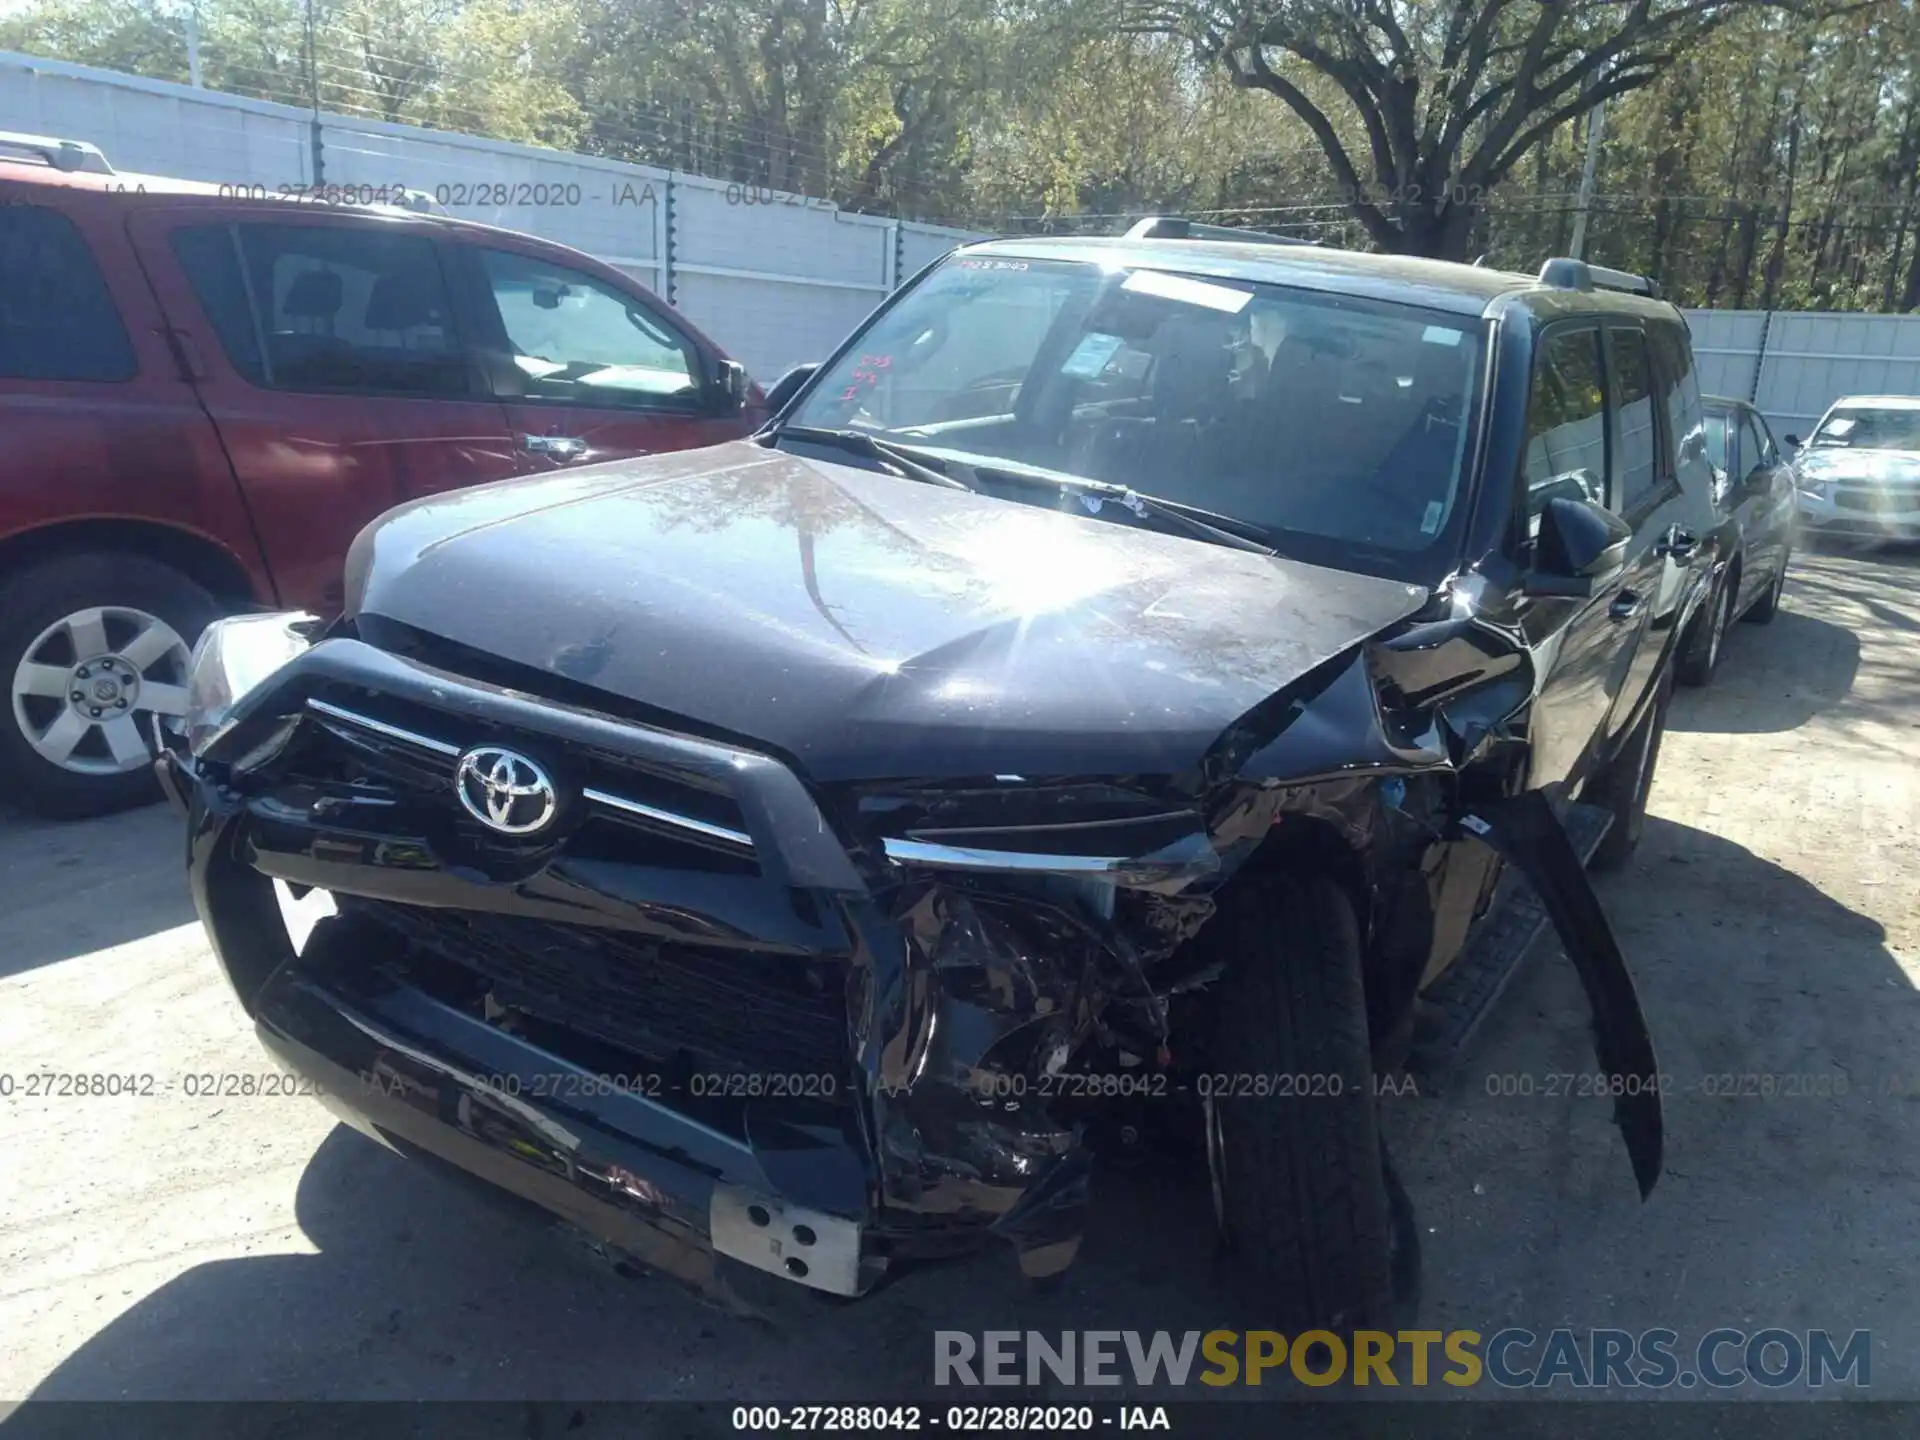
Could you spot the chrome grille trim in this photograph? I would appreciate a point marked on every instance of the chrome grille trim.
(380, 727)
(602, 798)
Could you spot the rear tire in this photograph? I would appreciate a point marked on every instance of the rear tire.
(1622, 788)
(1301, 1180)
(91, 646)
(1762, 611)
(1701, 656)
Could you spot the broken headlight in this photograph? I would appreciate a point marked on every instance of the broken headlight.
(234, 657)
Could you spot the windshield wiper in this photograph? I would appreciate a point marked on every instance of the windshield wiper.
(859, 442)
(1228, 530)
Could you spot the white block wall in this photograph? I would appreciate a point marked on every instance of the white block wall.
(776, 279)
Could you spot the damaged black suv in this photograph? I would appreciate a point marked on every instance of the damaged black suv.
(1138, 676)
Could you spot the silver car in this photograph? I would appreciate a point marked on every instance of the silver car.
(1858, 473)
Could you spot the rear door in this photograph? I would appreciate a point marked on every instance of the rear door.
(1668, 528)
(331, 359)
(95, 419)
(588, 365)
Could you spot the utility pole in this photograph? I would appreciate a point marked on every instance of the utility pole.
(193, 48)
(1596, 128)
(313, 91)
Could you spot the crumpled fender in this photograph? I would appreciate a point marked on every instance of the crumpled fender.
(1525, 831)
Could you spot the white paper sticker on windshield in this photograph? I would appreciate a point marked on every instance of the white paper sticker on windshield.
(1188, 290)
(1091, 355)
(1440, 335)
(1839, 425)
(1430, 522)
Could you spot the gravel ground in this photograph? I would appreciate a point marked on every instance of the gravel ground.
(193, 1248)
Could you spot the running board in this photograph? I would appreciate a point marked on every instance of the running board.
(1449, 1014)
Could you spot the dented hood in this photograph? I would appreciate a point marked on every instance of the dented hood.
(869, 626)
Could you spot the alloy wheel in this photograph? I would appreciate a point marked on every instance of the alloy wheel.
(82, 684)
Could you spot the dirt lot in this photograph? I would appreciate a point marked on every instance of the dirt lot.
(182, 1247)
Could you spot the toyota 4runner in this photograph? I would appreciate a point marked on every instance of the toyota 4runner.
(1154, 679)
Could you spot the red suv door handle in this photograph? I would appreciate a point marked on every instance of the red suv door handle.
(558, 447)
(185, 354)
(1625, 605)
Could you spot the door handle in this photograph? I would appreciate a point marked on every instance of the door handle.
(560, 447)
(186, 354)
(1678, 544)
(1625, 605)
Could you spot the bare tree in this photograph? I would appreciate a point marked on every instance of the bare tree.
(1423, 106)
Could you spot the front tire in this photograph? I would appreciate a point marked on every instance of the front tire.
(92, 645)
(1301, 1183)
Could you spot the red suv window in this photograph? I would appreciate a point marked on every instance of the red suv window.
(57, 319)
(314, 307)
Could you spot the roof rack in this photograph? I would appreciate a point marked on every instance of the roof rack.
(1565, 273)
(1178, 227)
(419, 201)
(68, 155)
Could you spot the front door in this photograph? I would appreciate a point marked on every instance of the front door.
(1766, 486)
(332, 362)
(589, 367)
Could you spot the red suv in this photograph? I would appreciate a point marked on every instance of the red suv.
(207, 395)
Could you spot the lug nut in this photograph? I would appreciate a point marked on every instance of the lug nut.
(78, 696)
(82, 672)
(96, 712)
(119, 704)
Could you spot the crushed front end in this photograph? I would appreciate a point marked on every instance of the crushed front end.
(654, 983)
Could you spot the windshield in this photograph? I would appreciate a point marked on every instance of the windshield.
(1868, 429)
(1338, 426)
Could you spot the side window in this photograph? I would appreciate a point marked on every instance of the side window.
(1753, 445)
(1718, 438)
(1678, 390)
(575, 338)
(57, 318)
(330, 308)
(1566, 452)
(210, 257)
(1635, 472)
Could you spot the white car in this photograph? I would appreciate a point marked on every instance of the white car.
(1858, 473)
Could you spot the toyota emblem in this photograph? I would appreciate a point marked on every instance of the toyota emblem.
(505, 791)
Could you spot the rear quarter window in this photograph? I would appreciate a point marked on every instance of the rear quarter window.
(1678, 387)
(57, 318)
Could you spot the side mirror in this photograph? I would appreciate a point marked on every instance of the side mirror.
(1792, 442)
(788, 386)
(1579, 544)
(730, 387)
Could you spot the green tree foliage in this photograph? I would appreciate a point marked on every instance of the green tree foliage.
(1755, 153)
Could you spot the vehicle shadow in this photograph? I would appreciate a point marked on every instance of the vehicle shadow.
(1776, 678)
(1785, 1030)
(75, 887)
(1801, 1208)
(1807, 663)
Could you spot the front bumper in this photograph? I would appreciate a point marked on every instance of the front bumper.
(889, 1156)
(1870, 514)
